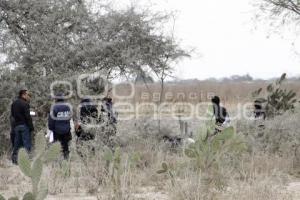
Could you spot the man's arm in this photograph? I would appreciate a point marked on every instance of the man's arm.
(28, 117)
(51, 121)
(11, 118)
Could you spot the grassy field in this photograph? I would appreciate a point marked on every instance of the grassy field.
(268, 168)
(196, 91)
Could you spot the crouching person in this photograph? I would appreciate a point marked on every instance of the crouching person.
(259, 111)
(220, 114)
(259, 116)
(59, 122)
(109, 117)
(88, 117)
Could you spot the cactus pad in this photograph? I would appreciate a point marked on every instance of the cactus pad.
(28, 196)
(24, 162)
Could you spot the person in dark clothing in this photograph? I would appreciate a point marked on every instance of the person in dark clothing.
(259, 116)
(259, 112)
(88, 113)
(108, 108)
(12, 132)
(175, 141)
(88, 116)
(109, 118)
(220, 114)
(59, 122)
(23, 126)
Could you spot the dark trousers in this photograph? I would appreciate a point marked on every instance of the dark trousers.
(64, 140)
(12, 137)
(22, 138)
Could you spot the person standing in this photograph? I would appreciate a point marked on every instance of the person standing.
(22, 123)
(59, 122)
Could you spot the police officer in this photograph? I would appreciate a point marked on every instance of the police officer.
(59, 122)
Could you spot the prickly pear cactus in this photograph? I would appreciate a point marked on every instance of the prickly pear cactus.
(34, 169)
(52, 153)
(40, 144)
(24, 162)
(13, 198)
(164, 169)
(206, 153)
(36, 174)
(277, 100)
(28, 196)
(42, 192)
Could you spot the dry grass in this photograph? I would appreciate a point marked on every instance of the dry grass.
(231, 93)
(259, 174)
(255, 175)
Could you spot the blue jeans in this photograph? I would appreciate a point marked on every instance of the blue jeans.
(22, 139)
(12, 137)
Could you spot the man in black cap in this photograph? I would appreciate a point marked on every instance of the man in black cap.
(23, 126)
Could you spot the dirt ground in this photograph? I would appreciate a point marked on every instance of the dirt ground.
(294, 188)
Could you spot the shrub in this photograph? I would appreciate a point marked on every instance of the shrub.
(277, 100)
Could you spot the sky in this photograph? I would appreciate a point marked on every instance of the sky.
(228, 41)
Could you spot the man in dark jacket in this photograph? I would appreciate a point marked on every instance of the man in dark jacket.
(59, 123)
(20, 111)
(220, 114)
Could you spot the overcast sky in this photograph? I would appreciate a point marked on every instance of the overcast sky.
(224, 34)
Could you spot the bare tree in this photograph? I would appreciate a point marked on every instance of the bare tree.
(168, 58)
(280, 6)
(284, 10)
(280, 13)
